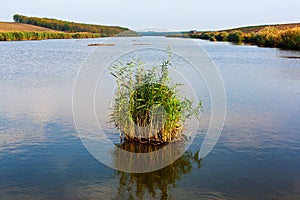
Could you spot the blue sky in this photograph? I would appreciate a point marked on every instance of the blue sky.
(159, 14)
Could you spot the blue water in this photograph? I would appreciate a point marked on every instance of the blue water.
(42, 157)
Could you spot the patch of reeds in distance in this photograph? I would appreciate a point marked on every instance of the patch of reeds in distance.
(268, 36)
(33, 35)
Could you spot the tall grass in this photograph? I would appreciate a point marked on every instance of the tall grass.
(235, 36)
(29, 35)
(148, 106)
(290, 39)
(221, 36)
(267, 37)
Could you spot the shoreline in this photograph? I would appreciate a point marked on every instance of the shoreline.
(266, 37)
(37, 35)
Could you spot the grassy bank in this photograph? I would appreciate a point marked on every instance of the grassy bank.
(12, 31)
(269, 36)
(35, 35)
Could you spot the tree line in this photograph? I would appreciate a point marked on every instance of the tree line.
(71, 27)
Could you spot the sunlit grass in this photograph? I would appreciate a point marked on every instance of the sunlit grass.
(269, 36)
(148, 106)
(32, 35)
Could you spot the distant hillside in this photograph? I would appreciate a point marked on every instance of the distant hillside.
(13, 26)
(60, 25)
(13, 31)
(250, 29)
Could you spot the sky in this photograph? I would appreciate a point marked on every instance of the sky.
(164, 15)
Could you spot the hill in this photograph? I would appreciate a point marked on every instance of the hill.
(13, 26)
(250, 29)
(35, 28)
(71, 27)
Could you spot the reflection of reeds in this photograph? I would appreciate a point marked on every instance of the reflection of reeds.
(137, 157)
(156, 183)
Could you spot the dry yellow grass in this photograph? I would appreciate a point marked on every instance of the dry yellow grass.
(11, 31)
(13, 26)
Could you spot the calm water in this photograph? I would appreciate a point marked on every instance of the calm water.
(42, 157)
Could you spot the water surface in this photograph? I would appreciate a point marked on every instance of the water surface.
(42, 157)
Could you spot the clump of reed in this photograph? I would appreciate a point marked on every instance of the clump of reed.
(148, 107)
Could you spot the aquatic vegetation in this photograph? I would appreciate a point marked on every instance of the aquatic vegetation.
(221, 36)
(290, 39)
(235, 36)
(148, 106)
(270, 36)
(212, 39)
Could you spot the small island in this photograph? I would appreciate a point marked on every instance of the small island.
(147, 106)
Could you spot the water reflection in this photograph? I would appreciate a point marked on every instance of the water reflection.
(41, 156)
(156, 184)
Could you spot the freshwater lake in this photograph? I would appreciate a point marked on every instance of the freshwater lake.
(41, 156)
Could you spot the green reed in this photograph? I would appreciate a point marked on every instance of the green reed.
(148, 106)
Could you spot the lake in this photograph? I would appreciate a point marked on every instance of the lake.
(42, 157)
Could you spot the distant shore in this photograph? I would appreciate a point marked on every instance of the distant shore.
(267, 37)
(34, 35)
(285, 36)
(35, 28)
(12, 31)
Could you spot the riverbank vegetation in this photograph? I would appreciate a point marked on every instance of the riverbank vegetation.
(33, 35)
(35, 28)
(269, 36)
